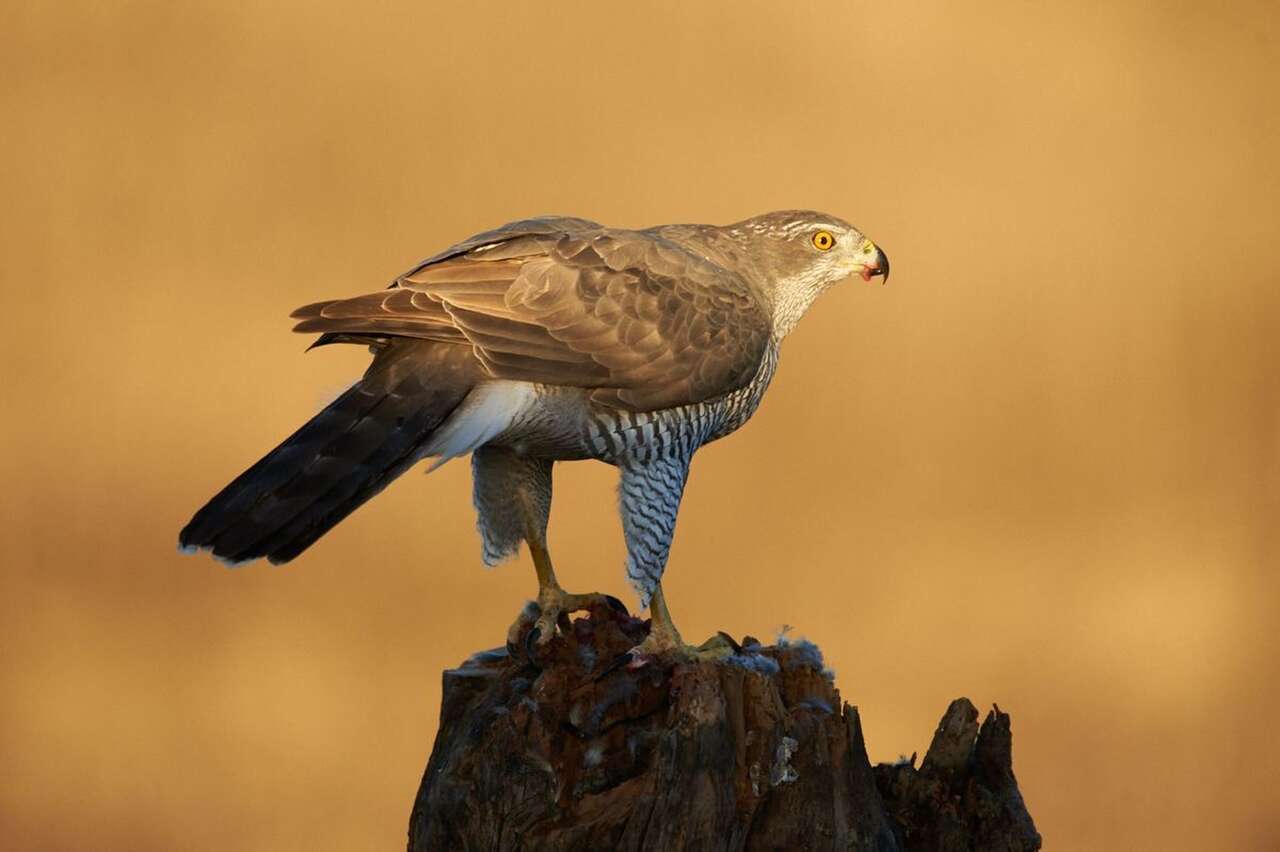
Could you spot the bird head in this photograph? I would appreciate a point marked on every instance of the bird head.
(820, 248)
(797, 254)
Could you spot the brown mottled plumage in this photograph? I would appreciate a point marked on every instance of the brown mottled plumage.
(637, 318)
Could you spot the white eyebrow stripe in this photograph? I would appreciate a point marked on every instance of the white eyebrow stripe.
(798, 225)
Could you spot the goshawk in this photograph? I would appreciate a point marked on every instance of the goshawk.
(546, 340)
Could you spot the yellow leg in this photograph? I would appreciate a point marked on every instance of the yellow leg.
(662, 630)
(665, 639)
(542, 564)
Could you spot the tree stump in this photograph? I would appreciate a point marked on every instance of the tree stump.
(755, 751)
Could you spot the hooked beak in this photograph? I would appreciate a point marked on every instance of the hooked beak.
(879, 266)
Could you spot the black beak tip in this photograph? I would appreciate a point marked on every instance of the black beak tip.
(883, 265)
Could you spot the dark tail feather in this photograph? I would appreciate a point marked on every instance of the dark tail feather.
(343, 456)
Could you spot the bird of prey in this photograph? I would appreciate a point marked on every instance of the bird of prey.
(545, 340)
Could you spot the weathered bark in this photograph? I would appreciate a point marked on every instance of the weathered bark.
(753, 752)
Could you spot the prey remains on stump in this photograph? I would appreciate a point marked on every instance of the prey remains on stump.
(756, 750)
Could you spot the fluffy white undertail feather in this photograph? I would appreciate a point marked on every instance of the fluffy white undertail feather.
(486, 413)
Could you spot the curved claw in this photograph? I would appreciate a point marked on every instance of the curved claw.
(619, 662)
(540, 620)
(531, 644)
(733, 643)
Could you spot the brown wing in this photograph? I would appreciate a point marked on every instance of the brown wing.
(636, 318)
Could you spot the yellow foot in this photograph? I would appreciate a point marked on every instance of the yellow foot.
(664, 641)
(538, 621)
(656, 644)
(660, 646)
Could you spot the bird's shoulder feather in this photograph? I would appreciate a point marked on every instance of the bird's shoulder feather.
(640, 321)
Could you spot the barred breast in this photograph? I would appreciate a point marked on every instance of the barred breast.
(563, 424)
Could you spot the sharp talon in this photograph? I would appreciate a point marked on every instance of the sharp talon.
(617, 604)
(737, 649)
(624, 660)
(531, 644)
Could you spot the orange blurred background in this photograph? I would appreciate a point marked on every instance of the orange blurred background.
(1040, 468)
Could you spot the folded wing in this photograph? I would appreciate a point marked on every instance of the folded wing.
(638, 320)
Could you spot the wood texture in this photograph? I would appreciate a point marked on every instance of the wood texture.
(753, 752)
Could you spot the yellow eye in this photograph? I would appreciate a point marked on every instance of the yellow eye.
(823, 241)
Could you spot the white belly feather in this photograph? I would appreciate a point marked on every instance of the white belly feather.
(488, 411)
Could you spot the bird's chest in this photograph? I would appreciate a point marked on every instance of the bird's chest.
(679, 431)
(738, 406)
(566, 425)
(570, 427)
